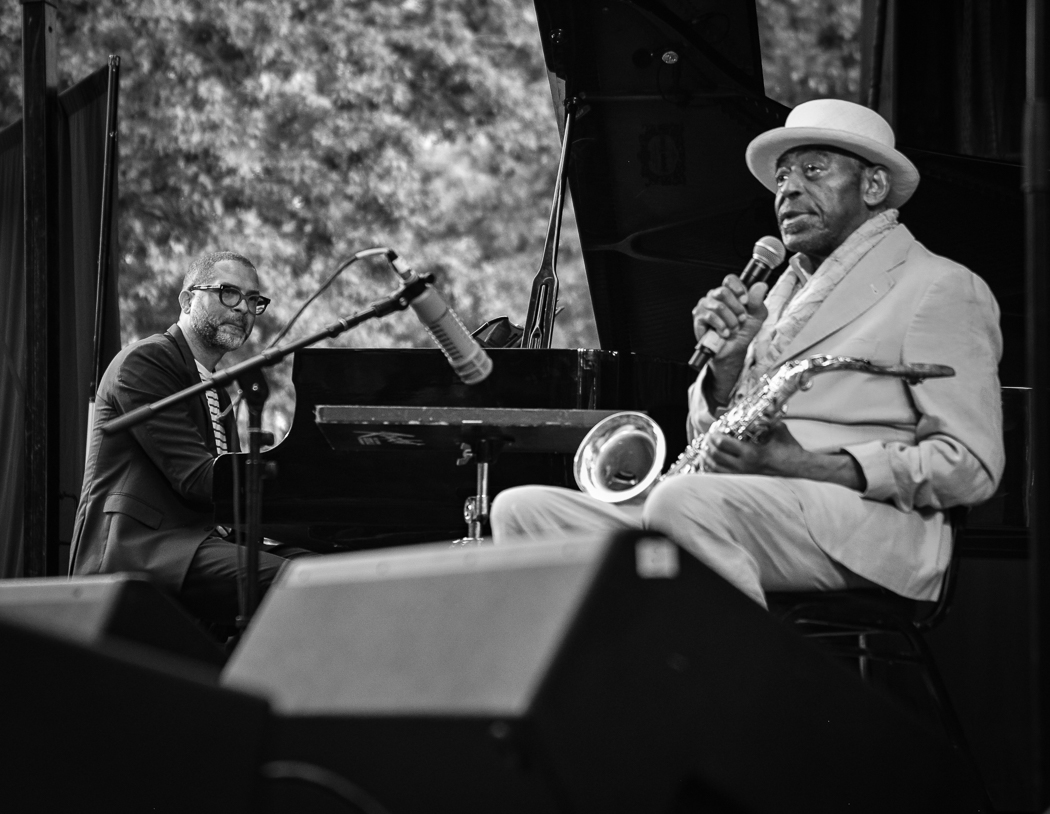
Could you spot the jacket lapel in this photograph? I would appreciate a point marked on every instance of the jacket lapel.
(193, 376)
(863, 286)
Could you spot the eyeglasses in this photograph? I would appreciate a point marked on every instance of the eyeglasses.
(231, 296)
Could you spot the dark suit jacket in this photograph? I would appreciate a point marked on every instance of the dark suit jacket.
(146, 502)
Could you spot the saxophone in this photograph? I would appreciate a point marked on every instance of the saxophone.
(620, 458)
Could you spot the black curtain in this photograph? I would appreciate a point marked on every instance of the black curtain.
(82, 138)
(13, 351)
(961, 77)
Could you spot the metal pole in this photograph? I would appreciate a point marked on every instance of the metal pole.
(40, 173)
(543, 302)
(109, 168)
(1038, 340)
(109, 173)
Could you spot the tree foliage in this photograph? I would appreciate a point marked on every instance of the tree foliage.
(810, 49)
(301, 131)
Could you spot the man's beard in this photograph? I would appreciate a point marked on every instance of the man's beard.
(211, 335)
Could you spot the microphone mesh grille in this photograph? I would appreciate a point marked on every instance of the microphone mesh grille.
(770, 250)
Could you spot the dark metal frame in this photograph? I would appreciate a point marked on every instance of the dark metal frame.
(1037, 250)
(845, 620)
(858, 614)
(109, 183)
(40, 113)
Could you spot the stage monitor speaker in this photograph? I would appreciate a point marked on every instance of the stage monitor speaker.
(105, 608)
(118, 727)
(569, 676)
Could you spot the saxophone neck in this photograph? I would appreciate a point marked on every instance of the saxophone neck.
(797, 375)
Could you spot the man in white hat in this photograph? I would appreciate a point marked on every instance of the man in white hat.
(851, 489)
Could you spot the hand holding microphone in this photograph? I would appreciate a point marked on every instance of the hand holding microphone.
(767, 254)
(466, 356)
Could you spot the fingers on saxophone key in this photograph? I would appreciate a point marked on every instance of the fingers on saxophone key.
(722, 452)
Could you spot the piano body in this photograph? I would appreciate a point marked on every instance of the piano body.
(386, 493)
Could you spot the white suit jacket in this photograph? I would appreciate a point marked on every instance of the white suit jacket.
(922, 448)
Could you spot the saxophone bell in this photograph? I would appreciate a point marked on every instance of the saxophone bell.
(620, 458)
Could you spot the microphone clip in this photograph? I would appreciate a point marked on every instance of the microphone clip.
(415, 285)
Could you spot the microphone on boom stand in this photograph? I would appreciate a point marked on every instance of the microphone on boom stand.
(466, 356)
(768, 253)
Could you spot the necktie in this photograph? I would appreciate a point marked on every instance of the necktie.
(217, 428)
(216, 421)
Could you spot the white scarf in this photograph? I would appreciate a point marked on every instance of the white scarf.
(797, 295)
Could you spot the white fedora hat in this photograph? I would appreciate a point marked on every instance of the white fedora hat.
(835, 123)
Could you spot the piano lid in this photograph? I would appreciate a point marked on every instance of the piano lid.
(669, 98)
(671, 93)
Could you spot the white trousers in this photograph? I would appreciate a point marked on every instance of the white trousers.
(749, 529)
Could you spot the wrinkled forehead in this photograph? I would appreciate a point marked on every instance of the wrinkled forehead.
(230, 272)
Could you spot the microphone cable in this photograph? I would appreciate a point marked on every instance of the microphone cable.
(378, 250)
(373, 252)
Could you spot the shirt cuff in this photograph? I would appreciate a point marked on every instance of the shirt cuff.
(875, 464)
(705, 382)
(700, 415)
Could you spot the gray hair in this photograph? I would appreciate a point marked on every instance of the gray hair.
(200, 271)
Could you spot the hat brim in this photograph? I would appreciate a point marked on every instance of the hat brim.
(764, 152)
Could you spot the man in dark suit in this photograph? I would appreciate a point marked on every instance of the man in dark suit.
(146, 501)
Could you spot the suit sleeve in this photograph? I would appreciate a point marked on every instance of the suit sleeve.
(171, 439)
(958, 456)
(702, 413)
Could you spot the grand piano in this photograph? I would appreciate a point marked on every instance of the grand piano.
(656, 101)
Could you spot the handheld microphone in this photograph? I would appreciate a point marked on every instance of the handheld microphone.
(466, 356)
(768, 253)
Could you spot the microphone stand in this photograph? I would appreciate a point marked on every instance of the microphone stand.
(256, 390)
(255, 395)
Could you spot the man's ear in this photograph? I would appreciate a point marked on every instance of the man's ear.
(876, 185)
(185, 298)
